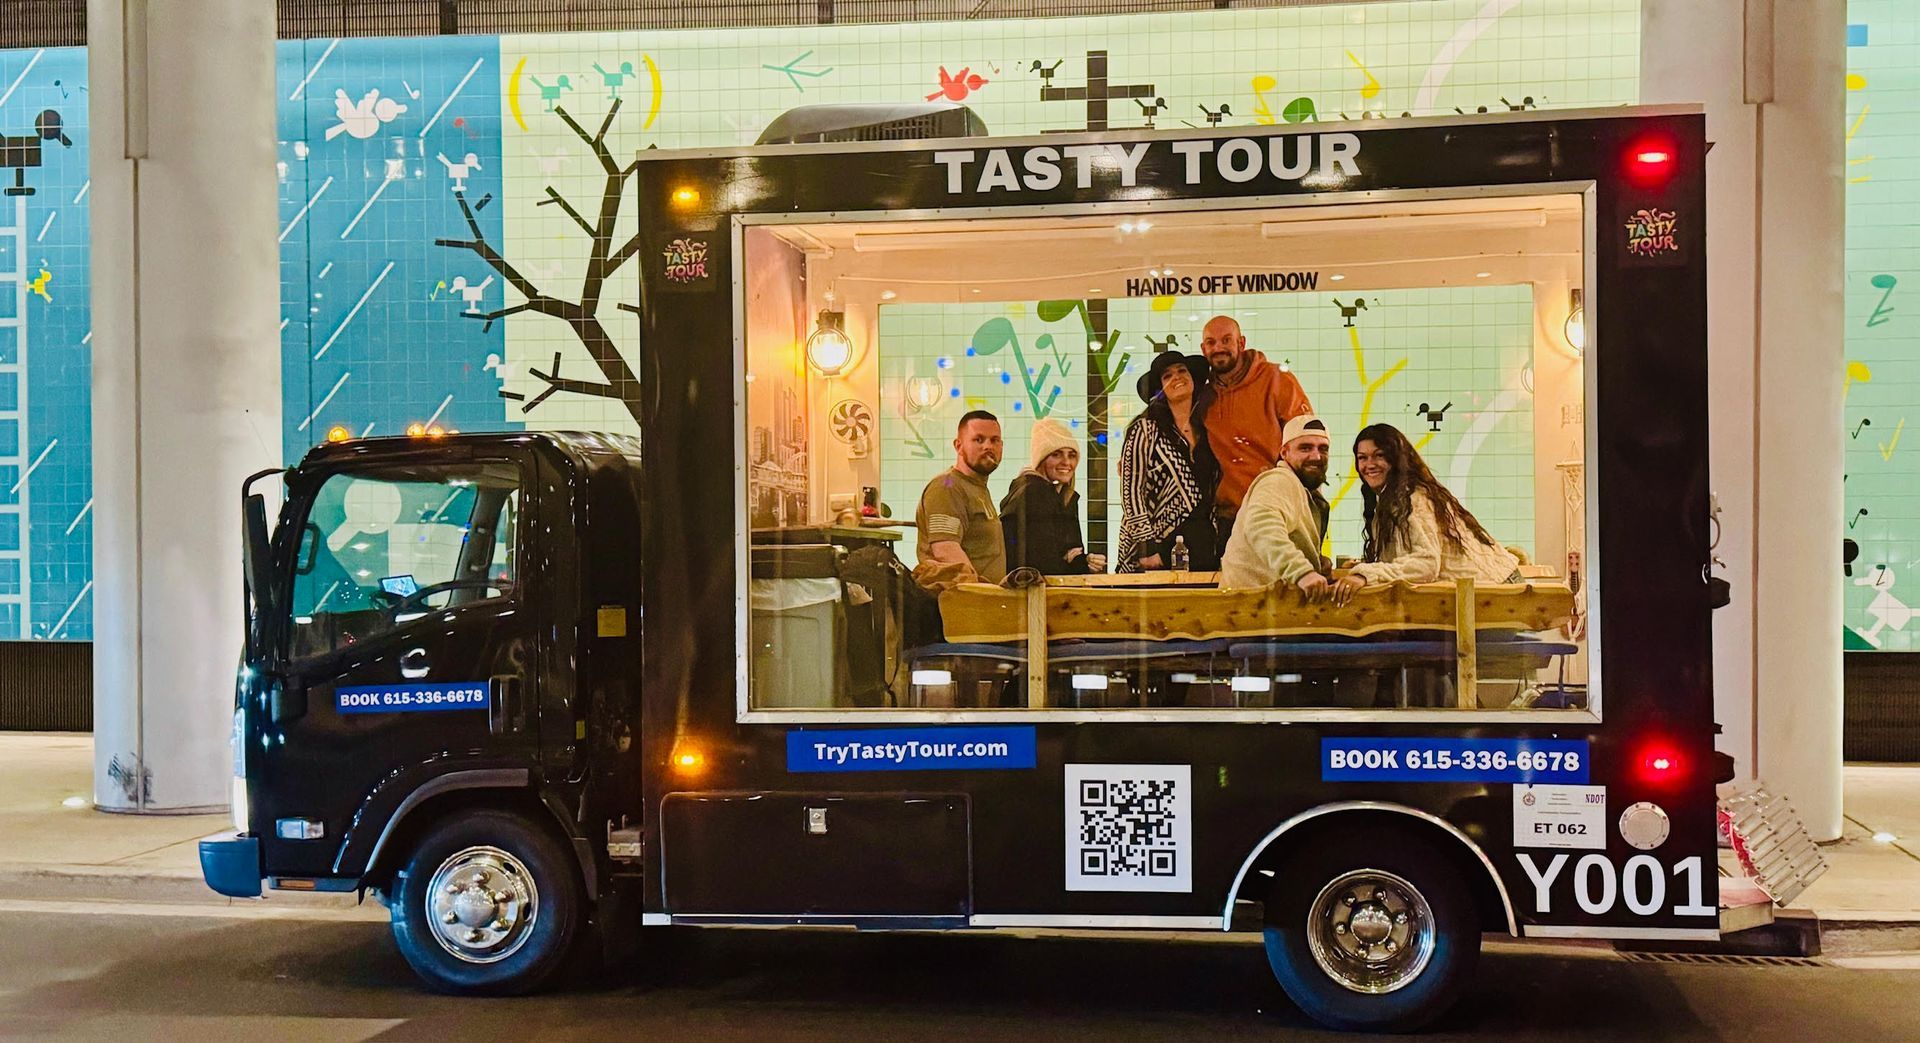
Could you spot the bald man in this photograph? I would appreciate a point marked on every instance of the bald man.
(1253, 400)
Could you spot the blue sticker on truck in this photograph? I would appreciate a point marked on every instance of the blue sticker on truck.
(911, 749)
(412, 698)
(1453, 760)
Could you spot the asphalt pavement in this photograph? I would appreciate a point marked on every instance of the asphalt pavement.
(117, 971)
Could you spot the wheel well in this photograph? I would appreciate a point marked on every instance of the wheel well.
(393, 853)
(1479, 877)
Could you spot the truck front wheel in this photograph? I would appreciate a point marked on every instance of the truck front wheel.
(1372, 932)
(487, 904)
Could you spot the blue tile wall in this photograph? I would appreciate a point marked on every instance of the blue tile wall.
(46, 442)
(369, 129)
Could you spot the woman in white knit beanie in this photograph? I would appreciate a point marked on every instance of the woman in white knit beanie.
(1041, 512)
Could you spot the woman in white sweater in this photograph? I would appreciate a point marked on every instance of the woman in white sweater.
(1416, 530)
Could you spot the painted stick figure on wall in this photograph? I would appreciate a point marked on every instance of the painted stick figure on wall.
(614, 80)
(471, 294)
(460, 171)
(1888, 612)
(550, 93)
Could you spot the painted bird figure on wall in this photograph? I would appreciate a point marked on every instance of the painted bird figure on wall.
(957, 86)
(1431, 415)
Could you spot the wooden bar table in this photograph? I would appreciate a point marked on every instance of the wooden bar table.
(1163, 606)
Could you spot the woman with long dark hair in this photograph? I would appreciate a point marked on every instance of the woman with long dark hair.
(1415, 529)
(1167, 471)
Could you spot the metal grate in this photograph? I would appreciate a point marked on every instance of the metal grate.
(42, 23)
(1724, 959)
(59, 23)
(46, 686)
(1883, 706)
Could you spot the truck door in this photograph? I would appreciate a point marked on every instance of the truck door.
(409, 650)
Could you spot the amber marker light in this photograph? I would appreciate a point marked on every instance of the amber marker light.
(416, 430)
(338, 433)
(687, 759)
(685, 196)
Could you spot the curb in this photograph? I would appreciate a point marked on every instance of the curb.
(113, 883)
(1856, 934)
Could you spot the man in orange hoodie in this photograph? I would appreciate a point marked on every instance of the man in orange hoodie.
(1253, 400)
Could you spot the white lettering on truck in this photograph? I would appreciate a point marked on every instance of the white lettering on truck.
(1598, 885)
(1286, 157)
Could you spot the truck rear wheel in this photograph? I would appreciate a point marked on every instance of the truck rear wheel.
(1375, 934)
(487, 904)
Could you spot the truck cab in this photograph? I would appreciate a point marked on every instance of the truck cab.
(415, 652)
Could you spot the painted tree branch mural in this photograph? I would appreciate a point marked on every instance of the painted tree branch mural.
(582, 315)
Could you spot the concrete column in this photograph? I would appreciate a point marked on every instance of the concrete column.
(186, 379)
(1771, 73)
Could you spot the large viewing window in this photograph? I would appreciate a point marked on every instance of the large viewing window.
(890, 572)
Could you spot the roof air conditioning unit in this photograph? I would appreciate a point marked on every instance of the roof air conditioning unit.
(880, 121)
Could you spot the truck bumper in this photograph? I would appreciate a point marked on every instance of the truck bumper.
(230, 864)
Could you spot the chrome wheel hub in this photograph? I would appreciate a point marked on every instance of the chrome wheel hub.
(481, 904)
(1371, 931)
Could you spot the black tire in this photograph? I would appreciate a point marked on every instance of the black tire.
(514, 858)
(1337, 867)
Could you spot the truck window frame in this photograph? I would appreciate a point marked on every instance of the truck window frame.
(394, 471)
(1585, 188)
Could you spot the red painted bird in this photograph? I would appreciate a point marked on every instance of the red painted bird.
(957, 86)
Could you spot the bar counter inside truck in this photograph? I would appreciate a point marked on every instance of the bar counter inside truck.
(531, 685)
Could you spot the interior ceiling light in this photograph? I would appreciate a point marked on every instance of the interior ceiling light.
(1374, 224)
(829, 349)
(884, 242)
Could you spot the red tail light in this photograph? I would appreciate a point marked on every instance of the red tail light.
(1649, 162)
(1660, 763)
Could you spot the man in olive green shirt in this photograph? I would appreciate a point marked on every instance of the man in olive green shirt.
(957, 519)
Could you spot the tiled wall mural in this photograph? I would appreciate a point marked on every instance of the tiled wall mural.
(399, 157)
(46, 439)
(1882, 540)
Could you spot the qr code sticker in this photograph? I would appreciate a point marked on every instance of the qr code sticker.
(1129, 827)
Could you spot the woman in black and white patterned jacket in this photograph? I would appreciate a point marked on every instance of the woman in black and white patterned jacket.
(1167, 473)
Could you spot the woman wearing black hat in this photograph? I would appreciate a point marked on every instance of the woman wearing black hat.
(1167, 473)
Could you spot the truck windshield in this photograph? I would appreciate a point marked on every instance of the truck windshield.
(380, 550)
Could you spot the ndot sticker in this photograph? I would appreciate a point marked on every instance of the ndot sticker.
(1560, 816)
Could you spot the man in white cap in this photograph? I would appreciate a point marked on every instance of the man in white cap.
(1283, 518)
